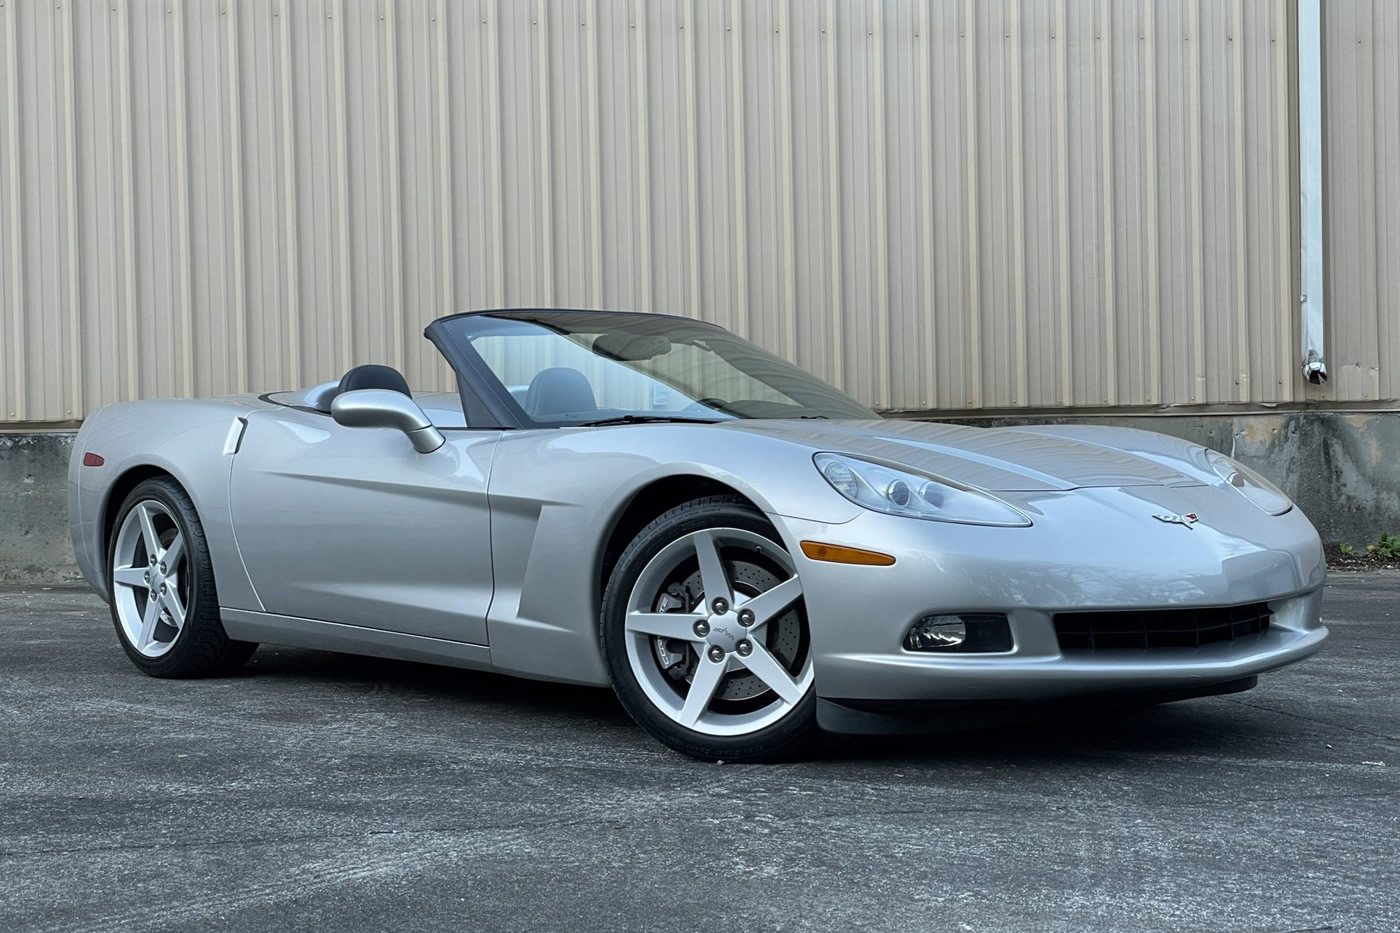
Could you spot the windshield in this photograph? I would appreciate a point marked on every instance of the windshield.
(564, 368)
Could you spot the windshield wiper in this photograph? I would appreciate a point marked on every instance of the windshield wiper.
(648, 419)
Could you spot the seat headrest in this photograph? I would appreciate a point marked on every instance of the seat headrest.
(559, 390)
(374, 376)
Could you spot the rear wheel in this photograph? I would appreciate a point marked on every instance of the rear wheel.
(706, 636)
(164, 605)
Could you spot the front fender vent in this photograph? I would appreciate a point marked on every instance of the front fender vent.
(1144, 630)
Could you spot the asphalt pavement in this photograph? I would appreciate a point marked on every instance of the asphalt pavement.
(324, 792)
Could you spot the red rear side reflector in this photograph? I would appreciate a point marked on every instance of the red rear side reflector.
(91, 459)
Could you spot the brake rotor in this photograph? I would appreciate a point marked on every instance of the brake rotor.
(782, 636)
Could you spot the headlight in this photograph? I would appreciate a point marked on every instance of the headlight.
(900, 492)
(1254, 487)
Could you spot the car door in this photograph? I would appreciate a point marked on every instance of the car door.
(352, 525)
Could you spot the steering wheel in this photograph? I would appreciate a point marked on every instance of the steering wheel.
(712, 404)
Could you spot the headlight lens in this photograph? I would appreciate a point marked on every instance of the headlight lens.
(1250, 484)
(895, 491)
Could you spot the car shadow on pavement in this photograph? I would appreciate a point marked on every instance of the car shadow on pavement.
(448, 686)
(1198, 727)
(1209, 726)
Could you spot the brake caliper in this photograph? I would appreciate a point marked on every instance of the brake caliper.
(674, 655)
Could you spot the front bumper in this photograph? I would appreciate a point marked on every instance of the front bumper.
(1093, 549)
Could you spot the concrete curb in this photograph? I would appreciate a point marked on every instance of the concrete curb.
(34, 543)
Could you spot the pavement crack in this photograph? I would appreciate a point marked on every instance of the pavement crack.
(1312, 719)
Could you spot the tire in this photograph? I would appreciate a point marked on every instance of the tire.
(166, 610)
(663, 637)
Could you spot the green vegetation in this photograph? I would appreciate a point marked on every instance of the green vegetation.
(1387, 548)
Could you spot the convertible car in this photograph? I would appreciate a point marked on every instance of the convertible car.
(743, 553)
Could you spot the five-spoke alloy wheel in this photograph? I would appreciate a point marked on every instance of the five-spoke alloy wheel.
(151, 577)
(706, 635)
(164, 604)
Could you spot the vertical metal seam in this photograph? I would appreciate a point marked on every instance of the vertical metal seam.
(345, 309)
(471, 44)
(289, 197)
(445, 199)
(1385, 324)
(493, 143)
(1378, 213)
(1018, 210)
(1241, 218)
(1199, 386)
(240, 273)
(546, 264)
(185, 246)
(108, 293)
(741, 247)
(647, 300)
(929, 312)
(1110, 284)
(974, 262)
(692, 163)
(133, 375)
(789, 308)
(46, 121)
(1354, 376)
(595, 154)
(1062, 195)
(882, 253)
(1150, 180)
(395, 186)
(321, 98)
(75, 405)
(1283, 169)
(18, 400)
(834, 193)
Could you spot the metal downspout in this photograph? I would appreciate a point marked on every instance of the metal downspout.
(1312, 299)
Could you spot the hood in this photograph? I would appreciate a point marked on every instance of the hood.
(1025, 459)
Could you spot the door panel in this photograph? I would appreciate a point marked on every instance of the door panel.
(353, 525)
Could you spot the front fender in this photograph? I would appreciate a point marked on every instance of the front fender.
(557, 494)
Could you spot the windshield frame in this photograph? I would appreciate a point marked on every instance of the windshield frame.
(488, 402)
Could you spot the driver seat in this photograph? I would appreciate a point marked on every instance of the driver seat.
(559, 390)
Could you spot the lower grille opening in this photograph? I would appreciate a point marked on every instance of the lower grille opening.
(1136, 629)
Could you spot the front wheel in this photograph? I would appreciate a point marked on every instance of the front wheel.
(706, 636)
(161, 581)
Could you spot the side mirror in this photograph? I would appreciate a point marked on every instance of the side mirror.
(385, 408)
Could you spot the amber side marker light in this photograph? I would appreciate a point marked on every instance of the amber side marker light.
(836, 554)
(93, 460)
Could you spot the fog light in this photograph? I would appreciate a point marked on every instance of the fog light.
(963, 634)
(936, 633)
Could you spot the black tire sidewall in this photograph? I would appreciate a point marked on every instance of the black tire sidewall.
(775, 741)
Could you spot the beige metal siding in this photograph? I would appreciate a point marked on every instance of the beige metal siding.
(1361, 164)
(947, 204)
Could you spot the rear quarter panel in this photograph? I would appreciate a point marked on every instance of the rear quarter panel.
(185, 438)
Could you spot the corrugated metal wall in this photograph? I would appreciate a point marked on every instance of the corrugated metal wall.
(945, 204)
(1361, 162)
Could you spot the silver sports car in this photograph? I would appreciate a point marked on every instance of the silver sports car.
(742, 552)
